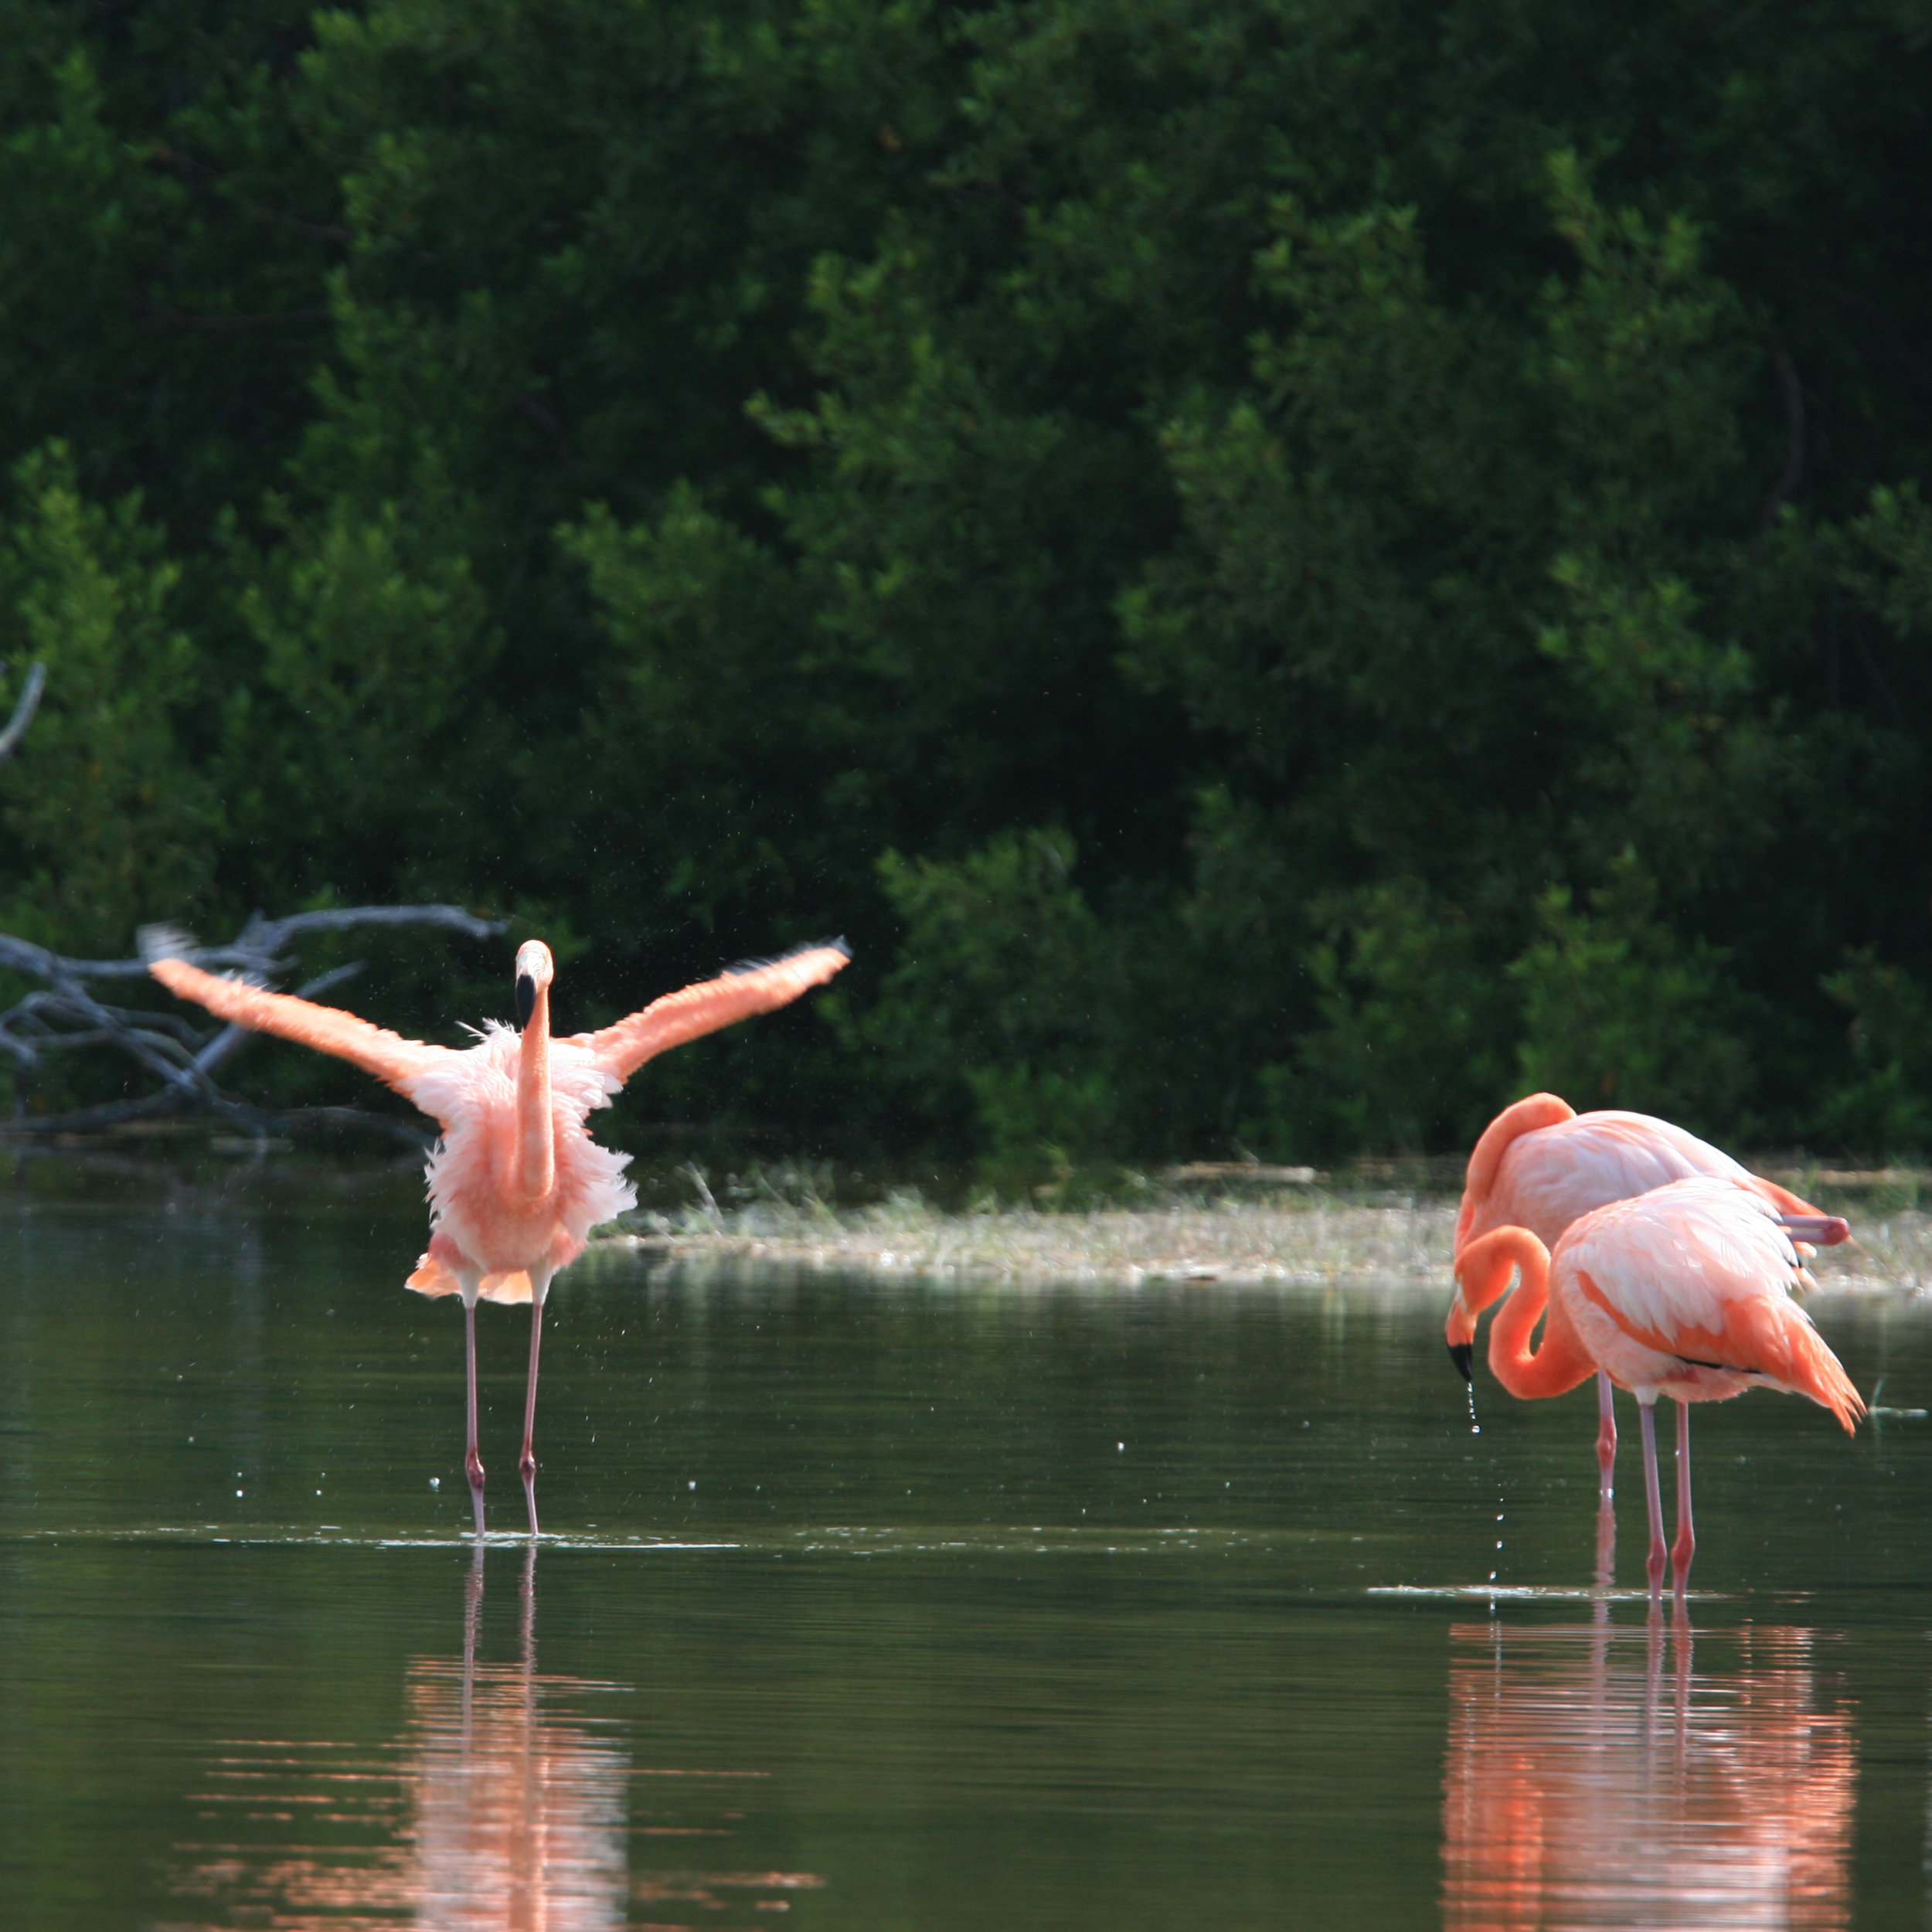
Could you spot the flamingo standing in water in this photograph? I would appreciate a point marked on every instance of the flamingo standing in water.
(1540, 1164)
(516, 1183)
(1684, 1291)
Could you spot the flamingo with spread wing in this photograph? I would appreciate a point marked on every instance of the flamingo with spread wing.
(516, 1183)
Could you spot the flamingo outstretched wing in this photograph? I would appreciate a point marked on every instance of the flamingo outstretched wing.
(695, 1011)
(395, 1061)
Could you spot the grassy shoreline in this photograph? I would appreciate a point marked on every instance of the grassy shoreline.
(1385, 1221)
(1318, 1240)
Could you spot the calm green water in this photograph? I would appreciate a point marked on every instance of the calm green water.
(903, 1606)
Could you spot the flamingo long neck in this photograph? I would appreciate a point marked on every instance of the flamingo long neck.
(1525, 1116)
(535, 1135)
(1485, 1268)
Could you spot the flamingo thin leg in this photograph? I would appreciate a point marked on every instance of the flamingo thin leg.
(1653, 1494)
(472, 1456)
(527, 1462)
(1605, 1436)
(1685, 1546)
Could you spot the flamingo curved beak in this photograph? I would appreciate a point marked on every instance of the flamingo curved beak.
(1460, 1334)
(535, 969)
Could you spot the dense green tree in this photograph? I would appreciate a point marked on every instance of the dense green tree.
(1284, 571)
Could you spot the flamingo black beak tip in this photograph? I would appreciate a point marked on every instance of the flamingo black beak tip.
(1463, 1354)
(526, 999)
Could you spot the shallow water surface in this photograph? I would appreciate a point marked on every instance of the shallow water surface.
(873, 1604)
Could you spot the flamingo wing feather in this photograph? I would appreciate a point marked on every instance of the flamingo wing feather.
(395, 1061)
(1701, 1270)
(695, 1011)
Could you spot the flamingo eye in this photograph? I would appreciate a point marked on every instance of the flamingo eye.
(526, 999)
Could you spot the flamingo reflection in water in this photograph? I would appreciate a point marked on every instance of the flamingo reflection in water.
(497, 1810)
(520, 1816)
(1589, 1784)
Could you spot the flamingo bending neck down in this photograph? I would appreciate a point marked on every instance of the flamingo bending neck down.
(1683, 1291)
(516, 1183)
(1540, 1164)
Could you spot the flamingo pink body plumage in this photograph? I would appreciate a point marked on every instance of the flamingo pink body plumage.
(516, 1184)
(484, 1224)
(1540, 1164)
(1682, 1291)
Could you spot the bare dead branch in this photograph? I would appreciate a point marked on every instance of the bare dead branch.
(23, 712)
(230, 1037)
(257, 947)
(62, 1014)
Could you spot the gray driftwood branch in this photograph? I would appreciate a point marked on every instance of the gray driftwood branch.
(23, 712)
(179, 1053)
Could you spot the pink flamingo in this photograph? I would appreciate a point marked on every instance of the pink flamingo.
(1684, 1291)
(1540, 1164)
(516, 1183)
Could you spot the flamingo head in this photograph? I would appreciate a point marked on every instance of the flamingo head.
(534, 971)
(1484, 1270)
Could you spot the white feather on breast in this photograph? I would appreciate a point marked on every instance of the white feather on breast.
(473, 1094)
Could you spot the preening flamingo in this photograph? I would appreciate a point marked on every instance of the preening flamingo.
(516, 1183)
(1540, 1164)
(1684, 1291)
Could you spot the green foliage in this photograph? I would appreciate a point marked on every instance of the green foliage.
(1403, 1056)
(1430, 506)
(368, 656)
(1885, 1108)
(1000, 976)
(1895, 535)
(113, 820)
(1617, 1012)
(706, 718)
